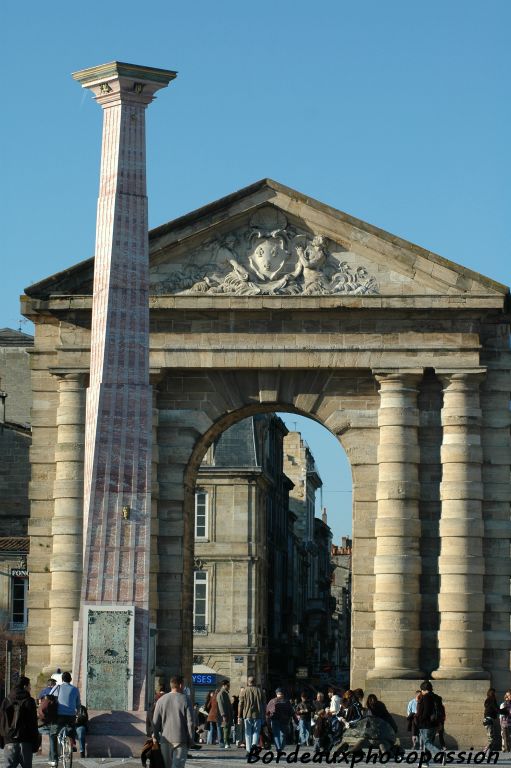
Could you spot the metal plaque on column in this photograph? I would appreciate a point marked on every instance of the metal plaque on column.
(109, 658)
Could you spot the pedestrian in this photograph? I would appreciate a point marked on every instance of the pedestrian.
(319, 702)
(491, 719)
(173, 724)
(47, 688)
(239, 723)
(430, 714)
(376, 708)
(149, 716)
(411, 712)
(81, 728)
(215, 729)
(19, 734)
(251, 709)
(225, 712)
(335, 701)
(68, 698)
(351, 710)
(505, 720)
(304, 710)
(320, 731)
(279, 714)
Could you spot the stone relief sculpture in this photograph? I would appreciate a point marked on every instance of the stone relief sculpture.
(270, 258)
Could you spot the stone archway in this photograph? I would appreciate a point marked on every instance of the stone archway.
(401, 354)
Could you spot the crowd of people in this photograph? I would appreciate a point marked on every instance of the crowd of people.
(23, 720)
(248, 720)
(320, 719)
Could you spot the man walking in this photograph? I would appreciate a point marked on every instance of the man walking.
(251, 709)
(173, 724)
(18, 726)
(304, 709)
(430, 714)
(225, 711)
(279, 714)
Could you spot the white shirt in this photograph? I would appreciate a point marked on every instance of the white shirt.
(335, 704)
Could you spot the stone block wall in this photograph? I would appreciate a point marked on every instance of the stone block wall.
(15, 380)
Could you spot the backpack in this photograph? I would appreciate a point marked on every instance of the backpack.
(9, 720)
(438, 715)
(47, 711)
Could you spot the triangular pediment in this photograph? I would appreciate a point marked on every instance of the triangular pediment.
(268, 239)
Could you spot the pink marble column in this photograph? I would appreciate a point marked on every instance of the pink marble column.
(117, 479)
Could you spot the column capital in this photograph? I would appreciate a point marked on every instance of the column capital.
(77, 376)
(120, 83)
(470, 376)
(409, 376)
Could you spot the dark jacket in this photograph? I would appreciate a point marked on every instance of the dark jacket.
(224, 705)
(305, 709)
(24, 727)
(426, 711)
(492, 709)
(280, 710)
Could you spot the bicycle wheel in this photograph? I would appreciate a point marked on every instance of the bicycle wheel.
(67, 752)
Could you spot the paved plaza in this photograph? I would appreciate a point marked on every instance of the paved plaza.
(210, 756)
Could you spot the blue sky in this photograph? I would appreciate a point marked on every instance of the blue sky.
(395, 111)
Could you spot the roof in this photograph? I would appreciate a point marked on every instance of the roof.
(417, 263)
(11, 338)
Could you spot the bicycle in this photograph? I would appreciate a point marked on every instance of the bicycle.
(65, 746)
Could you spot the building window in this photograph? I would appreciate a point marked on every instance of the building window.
(19, 588)
(200, 603)
(201, 515)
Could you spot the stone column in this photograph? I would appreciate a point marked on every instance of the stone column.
(67, 553)
(461, 563)
(496, 444)
(118, 450)
(397, 562)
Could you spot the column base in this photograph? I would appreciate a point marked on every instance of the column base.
(394, 674)
(462, 700)
(467, 673)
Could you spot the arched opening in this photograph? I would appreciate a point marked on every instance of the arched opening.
(271, 584)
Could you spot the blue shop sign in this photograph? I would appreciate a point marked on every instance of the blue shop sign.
(204, 679)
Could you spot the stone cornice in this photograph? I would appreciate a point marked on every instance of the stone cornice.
(62, 304)
(114, 69)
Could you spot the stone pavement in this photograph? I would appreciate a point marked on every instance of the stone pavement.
(207, 757)
(210, 756)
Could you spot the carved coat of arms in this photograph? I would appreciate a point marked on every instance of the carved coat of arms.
(269, 258)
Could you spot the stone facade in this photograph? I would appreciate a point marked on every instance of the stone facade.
(15, 348)
(263, 584)
(412, 375)
(15, 434)
(341, 592)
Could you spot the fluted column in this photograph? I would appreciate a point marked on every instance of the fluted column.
(397, 562)
(66, 561)
(461, 563)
